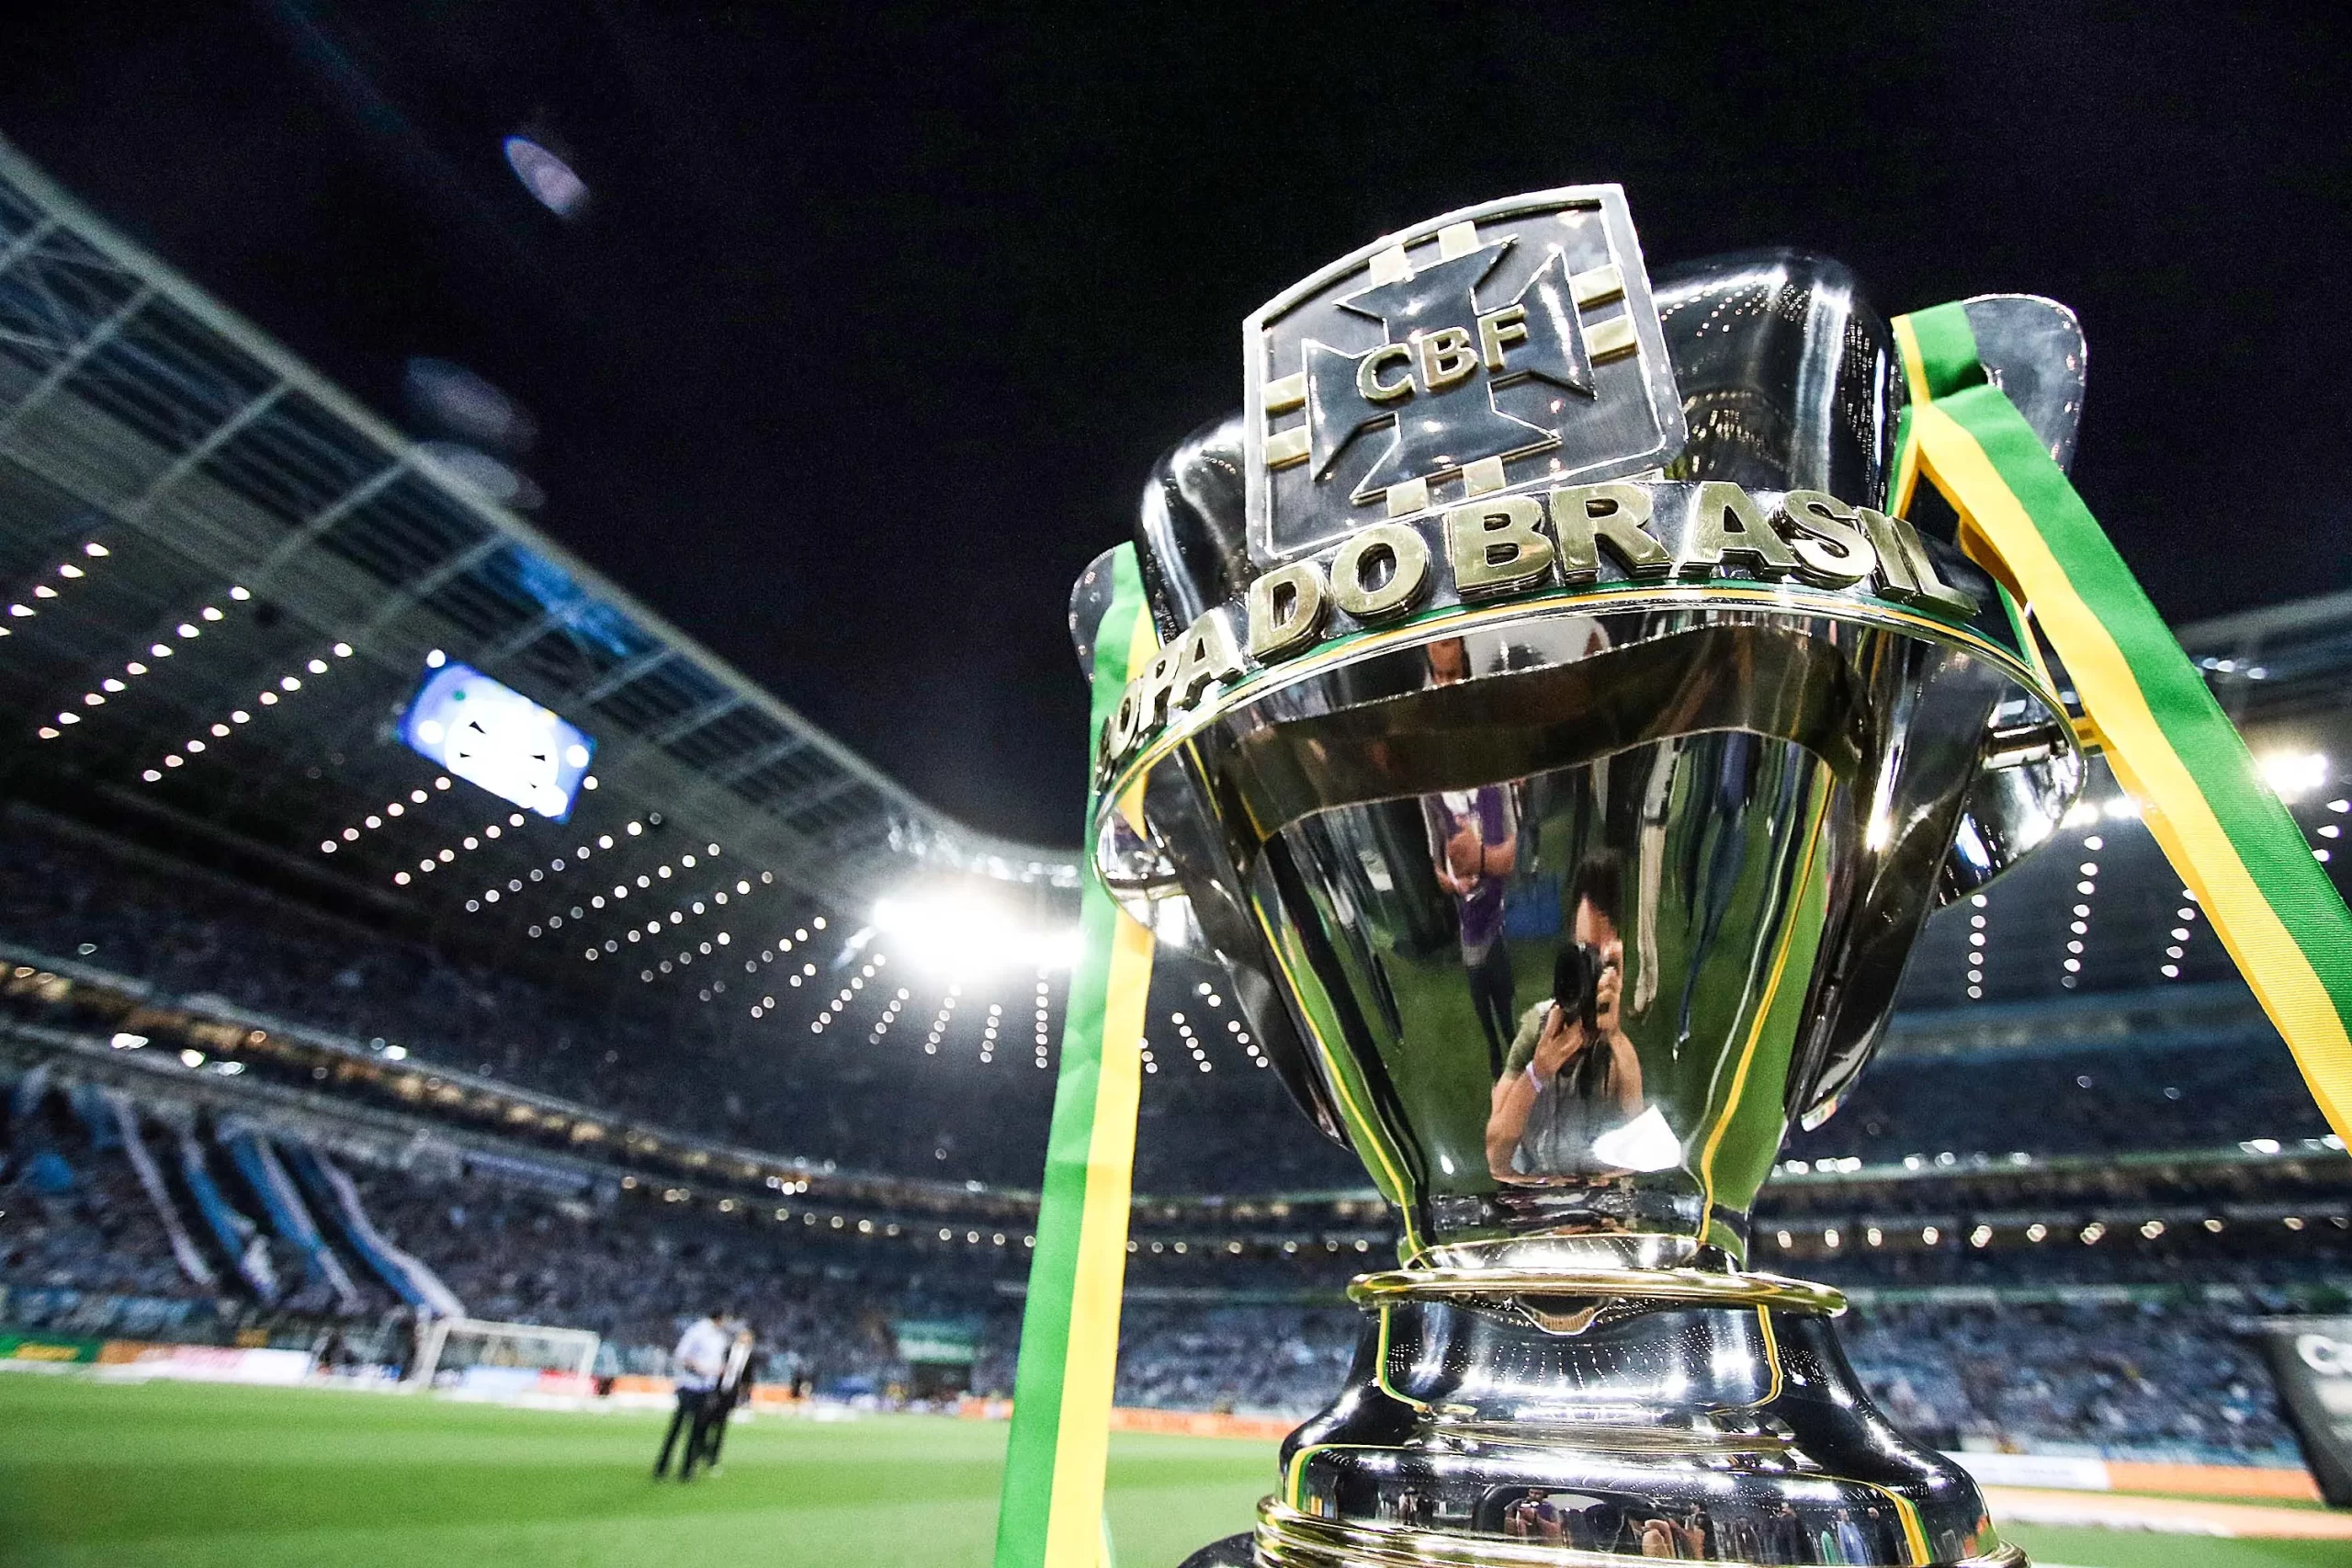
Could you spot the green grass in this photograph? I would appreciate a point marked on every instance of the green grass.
(178, 1476)
(2051, 1547)
(181, 1476)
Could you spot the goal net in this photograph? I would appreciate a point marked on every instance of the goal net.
(468, 1352)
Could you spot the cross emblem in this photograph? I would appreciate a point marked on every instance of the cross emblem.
(1495, 349)
(1433, 382)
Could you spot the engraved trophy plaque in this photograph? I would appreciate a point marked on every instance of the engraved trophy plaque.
(1560, 748)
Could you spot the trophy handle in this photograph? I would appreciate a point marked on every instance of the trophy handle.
(2032, 349)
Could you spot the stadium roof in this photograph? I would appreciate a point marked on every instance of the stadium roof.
(225, 579)
(223, 478)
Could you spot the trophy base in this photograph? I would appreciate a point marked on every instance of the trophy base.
(1505, 1424)
(1303, 1544)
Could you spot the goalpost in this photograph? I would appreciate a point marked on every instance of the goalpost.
(477, 1350)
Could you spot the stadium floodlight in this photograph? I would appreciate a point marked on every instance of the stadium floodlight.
(2295, 774)
(962, 930)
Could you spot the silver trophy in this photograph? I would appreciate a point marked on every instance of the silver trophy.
(1560, 746)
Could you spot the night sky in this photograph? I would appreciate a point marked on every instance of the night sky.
(879, 314)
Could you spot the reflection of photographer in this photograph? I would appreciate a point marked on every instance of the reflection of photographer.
(1571, 1076)
(1473, 849)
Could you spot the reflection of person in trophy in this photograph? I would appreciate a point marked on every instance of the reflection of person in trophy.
(1474, 845)
(1572, 1075)
(1658, 810)
(1536, 1518)
(1696, 1528)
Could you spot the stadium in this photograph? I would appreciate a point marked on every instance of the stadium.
(436, 983)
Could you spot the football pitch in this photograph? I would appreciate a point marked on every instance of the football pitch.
(178, 1476)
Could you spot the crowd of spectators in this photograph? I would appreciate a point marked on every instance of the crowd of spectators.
(1285, 1359)
(2118, 1374)
(634, 1274)
(2096, 1101)
(2139, 1376)
(665, 1058)
(87, 1229)
(882, 1105)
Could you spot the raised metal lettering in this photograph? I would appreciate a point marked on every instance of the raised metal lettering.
(1728, 529)
(1447, 359)
(1286, 608)
(1497, 546)
(1354, 569)
(1616, 514)
(1826, 537)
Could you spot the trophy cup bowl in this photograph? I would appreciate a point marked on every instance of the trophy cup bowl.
(1564, 826)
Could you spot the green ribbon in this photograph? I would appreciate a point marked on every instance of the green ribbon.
(1036, 1441)
(2200, 789)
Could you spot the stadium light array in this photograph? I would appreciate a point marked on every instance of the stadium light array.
(693, 908)
(2187, 915)
(580, 857)
(289, 683)
(1192, 1042)
(644, 881)
(71, 571)
(840, 1004)
(939, 1024)
(782, 949)
(882, 1025)
(1979, 917)
(393, 810)
(1044, 998)
(2087, 812)
(2079, 930)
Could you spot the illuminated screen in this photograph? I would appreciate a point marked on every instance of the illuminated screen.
(492, 735)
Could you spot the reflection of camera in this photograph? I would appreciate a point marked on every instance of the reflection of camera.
(1576, 984)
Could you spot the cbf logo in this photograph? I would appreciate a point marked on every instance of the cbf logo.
(1507, 345)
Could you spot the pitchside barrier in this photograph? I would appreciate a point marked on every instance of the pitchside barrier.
(130, 1359)
(2072, 1474)
(133, 1360)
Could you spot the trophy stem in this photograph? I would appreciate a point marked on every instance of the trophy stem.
(1287, 1539)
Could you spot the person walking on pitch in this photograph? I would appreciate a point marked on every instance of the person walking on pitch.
(696, 1363)
(734, 1388)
